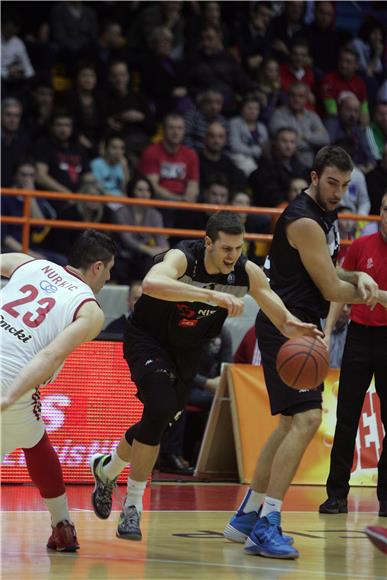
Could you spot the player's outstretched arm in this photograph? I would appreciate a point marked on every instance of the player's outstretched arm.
(274, 308)
(162, 282)
(87, 326)
(306, 236)
(9, 262)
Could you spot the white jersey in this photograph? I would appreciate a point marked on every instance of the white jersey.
(40, 300)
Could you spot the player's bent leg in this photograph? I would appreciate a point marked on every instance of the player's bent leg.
(45, 471)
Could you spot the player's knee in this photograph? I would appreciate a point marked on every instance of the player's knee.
(150, 429)
(308, 422)
(161, 403)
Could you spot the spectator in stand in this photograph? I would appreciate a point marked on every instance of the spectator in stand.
(252, 36)
(346, 128)
(16, 66)
(60, 161)
(109, 47)
(169, 92)
(254, 224)
(136, 250)
(112, 169)
(248, 137)
(74, 27)
(212, 16)
(81, 211)
(295, 187)
(323, 38)
(269, 90)
(172, 168)
(209, 110)
(344, 80)
(338, 337)
(215, 191)
(11, 234)
(285, 28)
(370, 47)
(128, 112)
(40, 108)
(213, 160)
(377, 131)
(311, 133)
(215, 68)
(270, 182)
(298, 69)
(116, 327)
(167, 14)
(248, 351)
(377, 183)
(356, 197)
(86, 105)
(15, 142)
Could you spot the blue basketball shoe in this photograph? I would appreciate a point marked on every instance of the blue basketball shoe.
(267, 539)
(242, 524)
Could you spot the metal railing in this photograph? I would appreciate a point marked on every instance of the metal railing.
(27, 221)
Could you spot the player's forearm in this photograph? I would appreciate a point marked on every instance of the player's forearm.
(346, 292)
(333, 314)
(164, 288)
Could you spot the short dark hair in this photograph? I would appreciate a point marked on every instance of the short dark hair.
(224, 221)
(329, 156)
(91, 246)
(172, 115)
(216, 179)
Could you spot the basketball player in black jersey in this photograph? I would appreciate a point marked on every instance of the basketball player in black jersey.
(301, 270)
(186, 299)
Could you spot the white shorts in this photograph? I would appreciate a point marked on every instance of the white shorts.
(21, 424)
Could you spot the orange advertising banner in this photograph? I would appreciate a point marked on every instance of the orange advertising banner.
(253, 423)
(86, 410)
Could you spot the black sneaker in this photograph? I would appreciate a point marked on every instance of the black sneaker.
(383, 508)
(334, 505)
(129, 524)
(103, 490)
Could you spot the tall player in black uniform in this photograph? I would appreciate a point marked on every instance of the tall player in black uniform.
(301, 271)
(186, 298)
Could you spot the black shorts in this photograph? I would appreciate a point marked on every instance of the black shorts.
(146, 356)
(283, 399)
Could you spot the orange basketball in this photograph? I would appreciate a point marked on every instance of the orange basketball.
(302, 363)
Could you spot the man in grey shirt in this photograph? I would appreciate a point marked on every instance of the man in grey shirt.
(310, 130)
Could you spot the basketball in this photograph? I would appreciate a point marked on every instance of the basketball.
(302, 363)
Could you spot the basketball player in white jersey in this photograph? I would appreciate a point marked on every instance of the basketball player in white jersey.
(46, 311)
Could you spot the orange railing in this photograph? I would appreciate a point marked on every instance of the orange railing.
(27, 221)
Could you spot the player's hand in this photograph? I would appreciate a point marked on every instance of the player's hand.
(5, 402)
(294, 327)
(232, 304)
(368, 288)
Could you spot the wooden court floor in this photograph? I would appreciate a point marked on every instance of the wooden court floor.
(182, 525)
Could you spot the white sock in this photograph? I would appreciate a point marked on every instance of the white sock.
(135, 493)
(252, 501)
(58, 508)
(114, 467)
(271, 504)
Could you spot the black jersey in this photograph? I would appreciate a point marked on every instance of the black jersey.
(184, 325)
(284, 268)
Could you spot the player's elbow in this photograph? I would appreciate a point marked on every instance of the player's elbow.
(150, 286)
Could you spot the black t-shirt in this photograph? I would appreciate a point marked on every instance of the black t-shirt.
(65, 164)
(284, 268)
(184, 325)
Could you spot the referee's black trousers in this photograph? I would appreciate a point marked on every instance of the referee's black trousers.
(365, 354)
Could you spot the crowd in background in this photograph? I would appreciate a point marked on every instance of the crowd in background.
(218, 102)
